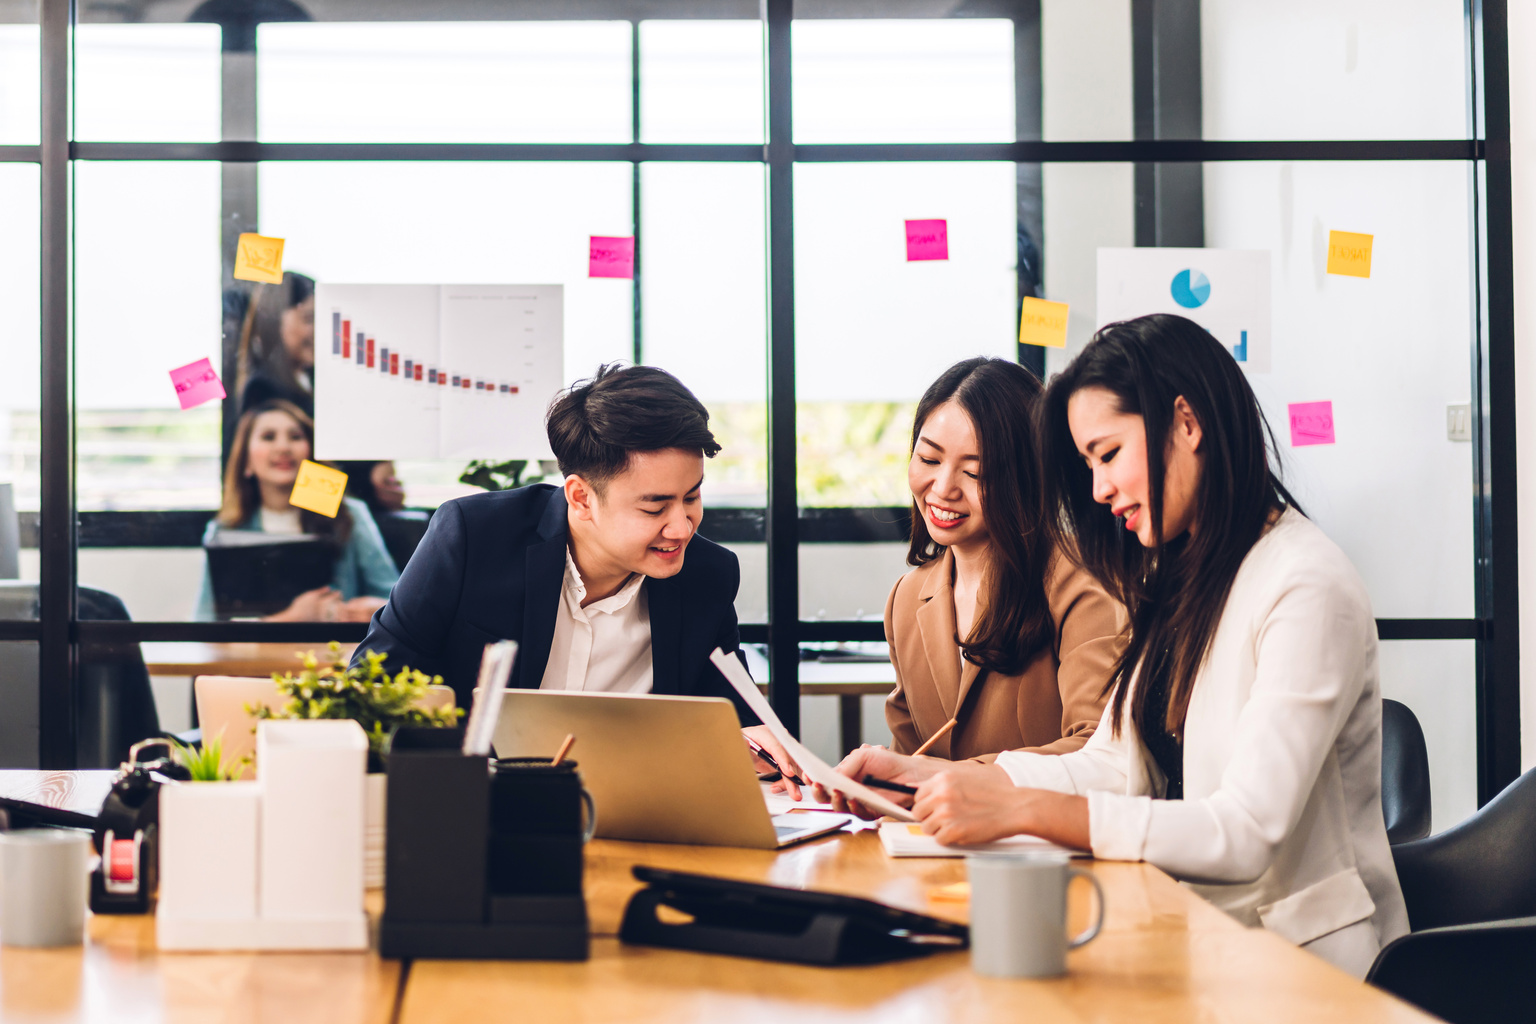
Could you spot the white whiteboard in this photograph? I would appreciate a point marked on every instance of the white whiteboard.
(427, 371)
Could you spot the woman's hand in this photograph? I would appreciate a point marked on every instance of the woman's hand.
(763, 737)
(323, 604)
(882, 764)
(975, 803)
(359, 609)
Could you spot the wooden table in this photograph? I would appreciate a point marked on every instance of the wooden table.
(198, 659)
(1165, 956)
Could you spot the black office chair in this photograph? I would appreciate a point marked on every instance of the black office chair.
(1404, 774)
(1471, 893)
(402, 531)
(114, 705)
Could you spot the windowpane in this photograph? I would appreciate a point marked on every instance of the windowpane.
(872, 329)
(445, 82)
(904, 81)
(146, 301)
(147, 83)
(1334, 69)
(1389, 359)
(701, 81)
(704, 303)
(1437, 679)
(20, 392)
(21, 83)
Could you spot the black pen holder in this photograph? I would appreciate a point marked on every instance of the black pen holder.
(480, 863)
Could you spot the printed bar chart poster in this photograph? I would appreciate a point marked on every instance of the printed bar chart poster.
(427, 371)
(1226, 291)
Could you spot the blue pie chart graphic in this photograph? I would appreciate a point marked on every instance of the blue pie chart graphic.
(1190, 289)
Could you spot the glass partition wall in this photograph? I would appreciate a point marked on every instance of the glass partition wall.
(765, 159)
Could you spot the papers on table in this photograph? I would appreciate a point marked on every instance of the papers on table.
(903, 840)
(813, 767)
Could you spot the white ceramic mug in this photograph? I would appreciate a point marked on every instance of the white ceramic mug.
(44, 876)
(1019, 914)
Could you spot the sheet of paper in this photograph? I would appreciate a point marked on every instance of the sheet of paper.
(259, 258)
(901, 839)
(318, 488)
(1349, 254)
(491, 687)
(1311, 423)
(1043, 323)
(196, 383)
(927, 240)
(611, 257)
(813, 767)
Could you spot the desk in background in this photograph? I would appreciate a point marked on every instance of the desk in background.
(198, 659)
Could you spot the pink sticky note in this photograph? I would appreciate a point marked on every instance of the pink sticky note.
(1311, 423)
(927, 240)
(196, 383)
(611, 257)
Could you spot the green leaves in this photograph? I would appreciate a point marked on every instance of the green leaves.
(494, 476)
(368, 695)
(205, 764)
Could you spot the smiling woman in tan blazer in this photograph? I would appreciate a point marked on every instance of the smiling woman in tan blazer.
(1041, 636)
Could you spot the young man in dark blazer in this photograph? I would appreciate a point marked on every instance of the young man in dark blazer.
(602, 581)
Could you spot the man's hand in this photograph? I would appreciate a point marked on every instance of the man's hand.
(972, 803)
(763, 737)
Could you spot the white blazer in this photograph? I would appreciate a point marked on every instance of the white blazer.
(1281, 822)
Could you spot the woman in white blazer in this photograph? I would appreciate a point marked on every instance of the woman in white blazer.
(1241, 748)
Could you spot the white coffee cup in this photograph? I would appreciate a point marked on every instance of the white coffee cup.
(1019, 914)
(44, 877)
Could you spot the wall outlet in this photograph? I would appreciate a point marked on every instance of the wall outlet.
(1458, 422)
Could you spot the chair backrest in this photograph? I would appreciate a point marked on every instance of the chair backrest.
(1404, 774)
(1483, 869)
(1471, 974)
(221, 711)
(114, 705)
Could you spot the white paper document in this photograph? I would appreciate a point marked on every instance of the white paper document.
(903, 840)
(814, 768)
(427, 371)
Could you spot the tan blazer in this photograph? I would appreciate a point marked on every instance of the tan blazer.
(1051, 707)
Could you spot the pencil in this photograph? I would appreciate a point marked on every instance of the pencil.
(565, 748)
(931, 740)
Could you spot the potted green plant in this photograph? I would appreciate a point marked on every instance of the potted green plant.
(375, 700)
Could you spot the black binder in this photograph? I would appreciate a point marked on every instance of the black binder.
(263, 577)
(774, 923)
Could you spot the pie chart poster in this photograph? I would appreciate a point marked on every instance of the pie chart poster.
(1226, 291)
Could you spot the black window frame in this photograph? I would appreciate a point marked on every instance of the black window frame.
(1161, 30)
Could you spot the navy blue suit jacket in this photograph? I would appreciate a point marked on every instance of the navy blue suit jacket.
(491, 567)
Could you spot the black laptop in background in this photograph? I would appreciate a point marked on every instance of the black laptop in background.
(256, 574)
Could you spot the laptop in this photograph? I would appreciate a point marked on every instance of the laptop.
(258, 574)
(660, 769)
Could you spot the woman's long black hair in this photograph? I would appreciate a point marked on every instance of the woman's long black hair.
(1176, 590)
(1000, 397)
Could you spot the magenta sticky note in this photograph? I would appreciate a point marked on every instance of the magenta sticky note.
(611, 257)
(1311, 423)
(196, 383)
(927, 240)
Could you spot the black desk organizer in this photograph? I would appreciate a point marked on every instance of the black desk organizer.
(774, 923)
(479, 866)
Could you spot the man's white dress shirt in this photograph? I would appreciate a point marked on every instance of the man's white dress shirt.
(605, 646)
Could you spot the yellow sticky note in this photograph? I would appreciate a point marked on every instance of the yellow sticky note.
(259, 258)
(1349, 254)
(1043, 323)
(318, 488)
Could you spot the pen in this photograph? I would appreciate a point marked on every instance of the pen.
(894, 787)
(757, 748)
(943, 731)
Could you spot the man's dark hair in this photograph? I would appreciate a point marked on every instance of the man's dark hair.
(594, 424)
